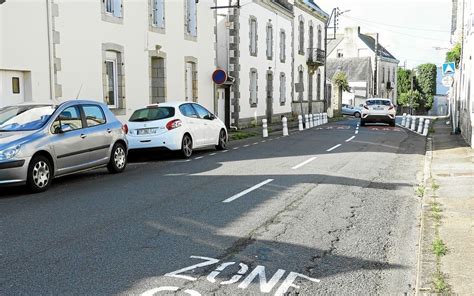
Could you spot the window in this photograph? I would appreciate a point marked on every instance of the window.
(191, 17)
(311, 37)
(253, 36)
(301, 83)
(151, 114)
(301, 36)
(388, 79)
(202, 112)
(320, 37)
(383, 74)
(188, 111)
(158, 80)
(282, 46)
(393, 77)
(94, 115)
(113, 7)
(158, 13)
(16, 85)
(112, 87)
(282, 88)
(269, 42)
(191, 83)
(253, 87)
(69, 118)
(310, 86)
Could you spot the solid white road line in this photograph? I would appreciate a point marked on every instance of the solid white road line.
(230, 199)
(303, 163)
(350, 139)
(332, 148)
(246, 145)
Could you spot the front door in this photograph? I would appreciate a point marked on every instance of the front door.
(70, 144)
(269, 96)
(98, 134)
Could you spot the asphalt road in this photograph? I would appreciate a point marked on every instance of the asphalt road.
(266, 217)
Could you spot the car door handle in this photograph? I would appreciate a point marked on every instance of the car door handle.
(83, 136)
(109, 130)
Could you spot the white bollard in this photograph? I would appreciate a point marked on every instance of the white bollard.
(315, 120)
(265, 128)
(326, 118)
(300, 122)
(427, 126)
(420, 125)
(318, 119)
(306, 121)
(321, 115)
(413, 123)
(310, 120)
(285, 126)
(404, 119)
(408, 122)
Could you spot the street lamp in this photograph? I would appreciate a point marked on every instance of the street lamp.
(335, 13)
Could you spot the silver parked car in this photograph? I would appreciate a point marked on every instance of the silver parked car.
(39, 142)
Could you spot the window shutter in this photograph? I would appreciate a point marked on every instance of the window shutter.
(117, 8)
(195, 86)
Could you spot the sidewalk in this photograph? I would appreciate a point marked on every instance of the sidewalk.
(452, 173)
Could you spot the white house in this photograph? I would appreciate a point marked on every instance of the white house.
(309, 56)
(254, 43)
(354, 44)
(125, 53)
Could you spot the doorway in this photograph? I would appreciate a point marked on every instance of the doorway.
(269, 96)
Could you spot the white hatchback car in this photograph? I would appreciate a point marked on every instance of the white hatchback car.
(378, 110)
(175, 126)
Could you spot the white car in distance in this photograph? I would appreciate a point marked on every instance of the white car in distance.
(378, 110)
(175, 126)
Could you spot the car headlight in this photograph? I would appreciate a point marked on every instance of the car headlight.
(9, 152)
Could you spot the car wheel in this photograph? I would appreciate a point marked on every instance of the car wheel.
(40, 174)
(118, 159)
(222, 141)
(392, 123)
(187, 146)
(357, 115)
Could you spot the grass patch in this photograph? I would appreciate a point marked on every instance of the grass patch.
(241, 135)
(420, 191)
(436, 213)
(434, 185)
(334, 119)
(439, 282)
(439, 248)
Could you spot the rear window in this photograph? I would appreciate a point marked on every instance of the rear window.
(378, 102)
(150, 114)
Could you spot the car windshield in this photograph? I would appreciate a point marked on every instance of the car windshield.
(378, 102)
(150, 114)
(24, 118)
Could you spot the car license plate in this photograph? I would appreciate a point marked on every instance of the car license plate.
(378, 108)
(147, 131)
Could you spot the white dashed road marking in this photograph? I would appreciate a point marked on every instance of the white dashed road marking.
(212, 154)
(199, 157)
(236, 148)
(303, 163)
(350, 139)
(332, 148)
(247, 191)
(356, 132)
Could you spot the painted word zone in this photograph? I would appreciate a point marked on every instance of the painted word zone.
(243, 276)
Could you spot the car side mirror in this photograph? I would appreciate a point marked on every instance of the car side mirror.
(210, 117)
(63, 128)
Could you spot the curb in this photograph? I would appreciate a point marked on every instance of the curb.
(426, 177)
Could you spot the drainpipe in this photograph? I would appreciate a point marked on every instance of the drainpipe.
(50, 50)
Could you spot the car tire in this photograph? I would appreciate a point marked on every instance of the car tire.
(362, 123)
(357, 115)
(186, 146)
(222, 141)
(118, 159)
(40, 174)
(392, 123)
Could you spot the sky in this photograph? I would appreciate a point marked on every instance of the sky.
(409, 29)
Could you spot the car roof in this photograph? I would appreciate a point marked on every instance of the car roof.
(170, 104)
(384, 99)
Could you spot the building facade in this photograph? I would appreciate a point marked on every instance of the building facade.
(254, 43)
(309, 57)
(462, 92)
(125, 53)
(354, 44)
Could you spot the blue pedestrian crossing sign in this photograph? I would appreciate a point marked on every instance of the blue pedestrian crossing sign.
(449, 69)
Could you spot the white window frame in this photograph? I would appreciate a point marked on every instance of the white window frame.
(111, 7)
(253, 36)
(282, 88)
(115, 80)
(253, 87)
(282, 46)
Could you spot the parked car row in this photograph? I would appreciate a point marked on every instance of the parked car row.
(39, 142)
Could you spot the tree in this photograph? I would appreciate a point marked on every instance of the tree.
(403, 81)
(340, 79)
(426, 84)
(411, 98)
(454, 55)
